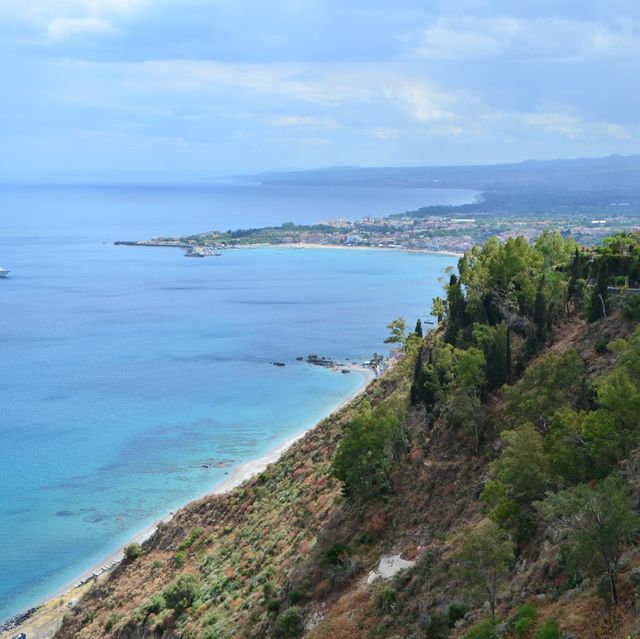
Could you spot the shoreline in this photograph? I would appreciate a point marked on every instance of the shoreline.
(294, 245)
(344, 247)
(53, 606)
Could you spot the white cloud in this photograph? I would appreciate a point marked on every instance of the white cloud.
(424, 103)
(476, 38)
(385, 133)
(69, 27)
(304, 120)
(569, 126)
(60, 19)
(447, 130)
(616, 131)
(467, 38)
(574, 126)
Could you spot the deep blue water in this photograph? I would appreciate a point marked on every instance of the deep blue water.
(125, 370)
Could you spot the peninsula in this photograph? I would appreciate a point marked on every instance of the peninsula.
(585, 199)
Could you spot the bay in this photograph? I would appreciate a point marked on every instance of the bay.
(133, 379)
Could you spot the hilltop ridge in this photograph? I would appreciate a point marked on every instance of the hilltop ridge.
(613, 172)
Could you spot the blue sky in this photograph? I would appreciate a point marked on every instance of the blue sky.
(214, 85)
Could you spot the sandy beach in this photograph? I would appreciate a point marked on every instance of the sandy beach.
(295, 245)
(342, 247)
(47, 615)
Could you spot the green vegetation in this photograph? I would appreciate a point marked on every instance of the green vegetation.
(600, 521)
(180, 594)
(483, 563)
(287, 233)
(398, 332)
(548, 630)
(484, 630)
(132, 551)
(525, 619)
(365, 456)
(550, 383)
(290, 622)
(500, 453)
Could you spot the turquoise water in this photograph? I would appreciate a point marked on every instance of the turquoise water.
(127, 370)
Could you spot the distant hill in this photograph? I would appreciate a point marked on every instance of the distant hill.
(612, 173)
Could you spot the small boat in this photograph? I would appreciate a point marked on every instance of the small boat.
(4, 272)
(278, 363)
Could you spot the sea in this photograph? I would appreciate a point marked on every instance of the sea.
(135, 379)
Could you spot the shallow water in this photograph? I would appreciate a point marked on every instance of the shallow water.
(127, 370)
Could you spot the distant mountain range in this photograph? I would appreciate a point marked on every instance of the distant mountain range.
(614, 173)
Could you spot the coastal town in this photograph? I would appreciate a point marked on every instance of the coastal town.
(412, 231)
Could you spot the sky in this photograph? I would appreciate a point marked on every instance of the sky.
(240, 85)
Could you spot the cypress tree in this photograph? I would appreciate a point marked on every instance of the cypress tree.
(418, 330)
(417, 386)
(456, 310)
(540, 314)
(600, 294)
(508, 355)
(497, 363)
(576, 272)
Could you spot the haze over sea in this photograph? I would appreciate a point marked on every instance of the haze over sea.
(127, 370)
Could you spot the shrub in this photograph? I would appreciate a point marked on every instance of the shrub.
(188, 542)
(387, 601)
(154, 605)
(294, 596)
(601, 345)
(181, 592)
(337, 554)
(603, 589)
(161, 621)
(438, 627)
(525, 619)
(273, 605)
(631, 307)
(132, 551)
(455, 611)
(290, 622)
(111, 621)
(484, 630)
(178, 558)
(548, 630)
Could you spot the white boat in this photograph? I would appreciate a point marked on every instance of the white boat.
(4, 272)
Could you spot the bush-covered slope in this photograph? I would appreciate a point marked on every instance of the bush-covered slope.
(500, 458)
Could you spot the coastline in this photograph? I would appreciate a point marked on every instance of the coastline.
(43, 618)
(293, 245)
(341, 247)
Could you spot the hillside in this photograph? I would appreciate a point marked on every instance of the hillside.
(613, 173)
(496, 465)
